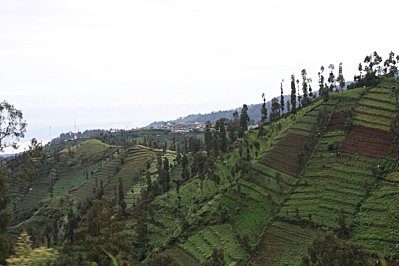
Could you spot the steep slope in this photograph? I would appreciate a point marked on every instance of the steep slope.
(338, 178)
(306, 174)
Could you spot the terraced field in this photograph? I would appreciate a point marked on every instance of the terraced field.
(376, 109)
(134, 166)
(132, 172)
(378, 229)
(35, 194)
(338, 121)
(290, 153)
(330, 183)
(284, 244)
(200, 245)
(367, 141)
(89, 148)
(106, 171)
(181, 257)
(72, 179)
(373, 116)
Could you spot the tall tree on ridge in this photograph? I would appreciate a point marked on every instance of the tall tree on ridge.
(331, 78)
(275, 114)
(310, 88)
(244, 119)
(299, 94)
(220, 127)
(293, 94)
(360, 68)
(305, 100)
(340, 78)
(208, 137)
(166, 174)
(263, 118)
(324, 92)
(233, 127)
(282, 97)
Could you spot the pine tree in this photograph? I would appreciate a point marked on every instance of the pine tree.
(310, 88)
(244, 119)
(360, 68)
(282, 97)
(143, 240)
(340, 78)
(275, 114)
(185, 172)
(324, 91)
(331, 78)
(233, 127)
(148, 181)
(263, 118)
(293, 94)
(305, 99)
(299, 94)
(208, 137)
(166, 174)
(220, 127)
(121, 195)
(342, 223)
(288, 106)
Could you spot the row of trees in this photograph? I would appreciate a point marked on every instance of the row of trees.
(297, 100)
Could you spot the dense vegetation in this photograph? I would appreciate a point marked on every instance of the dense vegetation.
(316, 186)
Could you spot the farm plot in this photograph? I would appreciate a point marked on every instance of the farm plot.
(378, 229)
(33, 196)
(331, 182)
(367, 141)
(249, 210)
(131, 170)
(306, 125)
(284, 244)
(104, 175)
(86, 153)
(337, 121)
(274, 183)
(288, 154)
(291, 151)
(193, 206)
(181, 258)
(201, 244)
(72, 179)
(376, 109)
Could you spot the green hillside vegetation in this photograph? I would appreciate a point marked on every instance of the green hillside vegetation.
(327, 171)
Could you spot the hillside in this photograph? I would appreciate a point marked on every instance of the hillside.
(287, 199)
(330, 166)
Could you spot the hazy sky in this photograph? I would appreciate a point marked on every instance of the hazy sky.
(136, 61)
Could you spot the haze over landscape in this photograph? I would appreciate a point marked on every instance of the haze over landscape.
(244, 133)
(127, 63)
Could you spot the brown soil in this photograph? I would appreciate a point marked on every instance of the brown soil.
(367, 141)
(337, 121)
(284, 156)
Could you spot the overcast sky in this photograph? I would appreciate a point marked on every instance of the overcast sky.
(135, 61)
